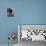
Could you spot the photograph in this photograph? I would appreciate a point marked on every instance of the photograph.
(22, 22)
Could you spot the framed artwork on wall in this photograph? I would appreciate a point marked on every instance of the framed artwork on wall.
(10, 12)
(33, 32)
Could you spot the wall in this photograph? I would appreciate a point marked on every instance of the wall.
(25, 12)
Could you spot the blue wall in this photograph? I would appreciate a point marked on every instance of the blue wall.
(25, 12)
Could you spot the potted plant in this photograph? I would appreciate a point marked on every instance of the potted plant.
(11, 37)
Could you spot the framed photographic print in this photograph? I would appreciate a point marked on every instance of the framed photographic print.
(10, 12)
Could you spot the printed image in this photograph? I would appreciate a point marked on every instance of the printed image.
(10, 12)
(22, 22)
(30, 34)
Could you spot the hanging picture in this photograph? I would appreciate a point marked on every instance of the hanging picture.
(10, 12)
